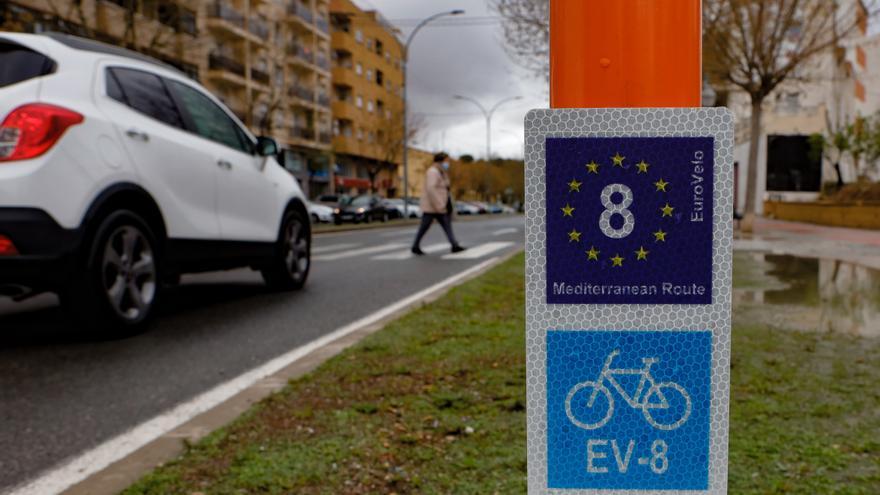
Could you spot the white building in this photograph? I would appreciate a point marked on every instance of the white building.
(832, 89)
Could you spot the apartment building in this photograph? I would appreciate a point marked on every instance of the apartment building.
(832, 89)
(268, 60)
(367, 106)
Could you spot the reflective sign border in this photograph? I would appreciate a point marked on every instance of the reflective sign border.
(541, 317)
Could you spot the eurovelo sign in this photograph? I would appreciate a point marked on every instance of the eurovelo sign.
(629, 225)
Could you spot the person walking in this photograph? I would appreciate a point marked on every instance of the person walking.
(436, 203)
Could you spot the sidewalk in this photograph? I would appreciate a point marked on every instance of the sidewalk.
(812, 241)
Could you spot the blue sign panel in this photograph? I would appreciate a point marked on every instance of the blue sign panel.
(628, 409)
(629, 220)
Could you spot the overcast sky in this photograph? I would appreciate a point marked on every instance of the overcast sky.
(465, 60)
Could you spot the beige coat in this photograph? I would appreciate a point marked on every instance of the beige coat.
(436, 191)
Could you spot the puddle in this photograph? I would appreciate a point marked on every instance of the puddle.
(807, 294)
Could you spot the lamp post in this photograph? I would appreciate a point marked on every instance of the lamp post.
(405, 111)
(488, 115)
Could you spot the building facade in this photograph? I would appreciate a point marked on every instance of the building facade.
(367, 102)
(830, 90)
(267, 60)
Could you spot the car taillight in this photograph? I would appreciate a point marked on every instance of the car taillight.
(30, 130)
(7, 248)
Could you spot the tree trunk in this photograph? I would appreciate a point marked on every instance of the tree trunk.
(752, 180)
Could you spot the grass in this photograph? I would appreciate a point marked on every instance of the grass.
(435, 403)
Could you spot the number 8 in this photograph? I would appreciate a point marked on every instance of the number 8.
(611, 209)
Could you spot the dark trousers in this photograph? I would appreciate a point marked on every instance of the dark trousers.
(443, 219)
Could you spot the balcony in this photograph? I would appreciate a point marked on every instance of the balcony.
(258, 28)
(302, 92)
(345, 77)
(346, 110)
(299, 10)
(322, 61)
(260, 76)
(301, 52)
(322, 25)
(302, 133)
(227, 13)
(324, 137)
(323, 100)
(225, 69)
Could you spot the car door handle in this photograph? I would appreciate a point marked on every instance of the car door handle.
(224, 164)
(136, 134)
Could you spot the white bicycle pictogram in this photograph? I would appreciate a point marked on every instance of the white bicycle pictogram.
(649, 395)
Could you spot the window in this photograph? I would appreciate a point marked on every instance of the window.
(369, 74)
(359, 101)
(208, 120)
(358, 35)
(380, 78)
(369, 44)
(358, 68)
(379, 48)
(370, 106)
(388, 114)
(18, 64)
(388, 56)
(147, 94)
(360, 134)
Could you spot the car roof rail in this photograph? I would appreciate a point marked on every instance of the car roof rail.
(90, 45)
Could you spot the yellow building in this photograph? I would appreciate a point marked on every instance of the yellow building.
(367, 100)
(268, 60)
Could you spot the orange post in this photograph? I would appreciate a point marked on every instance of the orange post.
(625, 53)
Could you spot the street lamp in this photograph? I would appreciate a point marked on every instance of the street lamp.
(488, 115)
(405, 111)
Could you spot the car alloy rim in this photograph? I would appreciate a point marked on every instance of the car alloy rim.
(128, 272)
(296, 249)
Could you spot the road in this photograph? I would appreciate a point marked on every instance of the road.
(61, 394)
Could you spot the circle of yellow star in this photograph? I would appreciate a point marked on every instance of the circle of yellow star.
(618, 160)
(641, 254)
(667, 210)
(593, 254)
(643, 167)
(616, 260)
(661, 185)
(574, 236)
(660, 236)
(567, 210)
(574, 185)
(593, 167)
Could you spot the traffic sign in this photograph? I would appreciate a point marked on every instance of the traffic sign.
(629, 222)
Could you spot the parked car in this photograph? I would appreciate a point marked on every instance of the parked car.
(507, 210)
(320, 213)
(495, 208)
(331, 200)
(482, 208)
(465, 208)
(413, 211)
(118, 173)
(365, 208)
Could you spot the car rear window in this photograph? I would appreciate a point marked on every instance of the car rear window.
(145, 93)
(18, 64)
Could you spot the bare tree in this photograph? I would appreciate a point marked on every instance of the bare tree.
(526, 29)
(756, 45)
(390, 143)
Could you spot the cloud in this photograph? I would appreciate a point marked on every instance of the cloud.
(465, 60)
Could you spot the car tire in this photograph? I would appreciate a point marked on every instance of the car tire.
(291, 261)
(384, 217)
(315, 219)
(116, 284)
(337, 221)
(368, 218)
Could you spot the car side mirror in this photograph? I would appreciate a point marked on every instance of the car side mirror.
(266, 146)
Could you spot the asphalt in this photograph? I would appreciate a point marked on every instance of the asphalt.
(62, 394)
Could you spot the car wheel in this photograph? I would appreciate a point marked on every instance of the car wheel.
(315, 219)
(368, 217)
(289, 267)
(116, 287)
(384, 217)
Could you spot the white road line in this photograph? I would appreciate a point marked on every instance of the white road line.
(505, 231)
(407, 254)
(398, 233)
(357, 252)
(73, 471)
(478, 251)
(333, 247)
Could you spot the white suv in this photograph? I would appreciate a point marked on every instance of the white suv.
(118, 173)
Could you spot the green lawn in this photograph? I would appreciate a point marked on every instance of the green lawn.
(434, 403)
